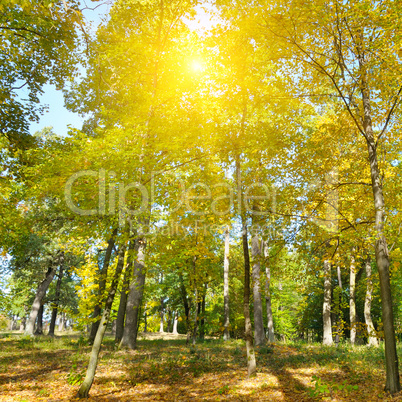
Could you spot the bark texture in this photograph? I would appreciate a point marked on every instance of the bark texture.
(251, 362)
(102, 285)
(175, 322)
(352, 300)
(371, 332)
(248, 332)
(268, 305)
(259, 334)
(186, 304)
(39, 321)
(339, 301)
(226, 320)
(381, 248)
(135, 294)
(197, 305)
(56, 302)
(40, 293)
(128, 273)
(202, 318)
(93, 361)
(161, 315)
(326, 307)
(62, 322)
(23, 323)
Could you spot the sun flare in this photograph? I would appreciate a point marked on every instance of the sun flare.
(197, 66)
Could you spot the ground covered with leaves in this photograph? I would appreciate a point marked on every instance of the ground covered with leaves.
(51, 369)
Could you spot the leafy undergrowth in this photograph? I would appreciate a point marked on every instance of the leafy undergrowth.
(46, 369)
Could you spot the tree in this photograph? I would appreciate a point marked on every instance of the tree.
(372, 336)
(93, 361)
(268, 303)
(226, 333)
(54, 261)
(56, 302)
(353, 45)
(102, 285)
(352, 299)
(347, 47)
(37, 41)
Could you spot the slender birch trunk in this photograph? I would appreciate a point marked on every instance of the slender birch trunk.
(175, 322)
(326, 308)
(372, 336)
(197, 306)
(270, 318)
(339, 317)
(93, 361)
(259, 334)
(62, 321)
(381, 247)
(352, 300)
(161, 314)
(145, 318)
(226, 320)
(102, 285)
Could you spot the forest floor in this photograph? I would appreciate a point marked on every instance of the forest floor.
(50, 369)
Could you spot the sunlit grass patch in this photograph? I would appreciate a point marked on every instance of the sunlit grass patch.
(43, 368)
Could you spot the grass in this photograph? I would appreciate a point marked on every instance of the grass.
(51, 369)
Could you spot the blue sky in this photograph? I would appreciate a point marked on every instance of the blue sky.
(57, 116)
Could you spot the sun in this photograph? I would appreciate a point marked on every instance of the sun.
(197, 66)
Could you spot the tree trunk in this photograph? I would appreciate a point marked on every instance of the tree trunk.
(352, 300)
(169, 320)
(248, 332)
(39, 321)
(202, 321)
(372, 336)
(259, 334)
(128, 273)
(196, 318)
(196, 303)
(161, 315)
(56, 301)
(270, 318)
(339, 301)
(281, 307)
(62, 321)
(145, 318)
(176, 320)
(13, 323)
(102, 285)
(23, 323)
(134, 298)
(93, 361)
(186, 305)
(226, 322)
(121, 312)
(381, 247)
(40, 293)
(251, 363)
(326, 309)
